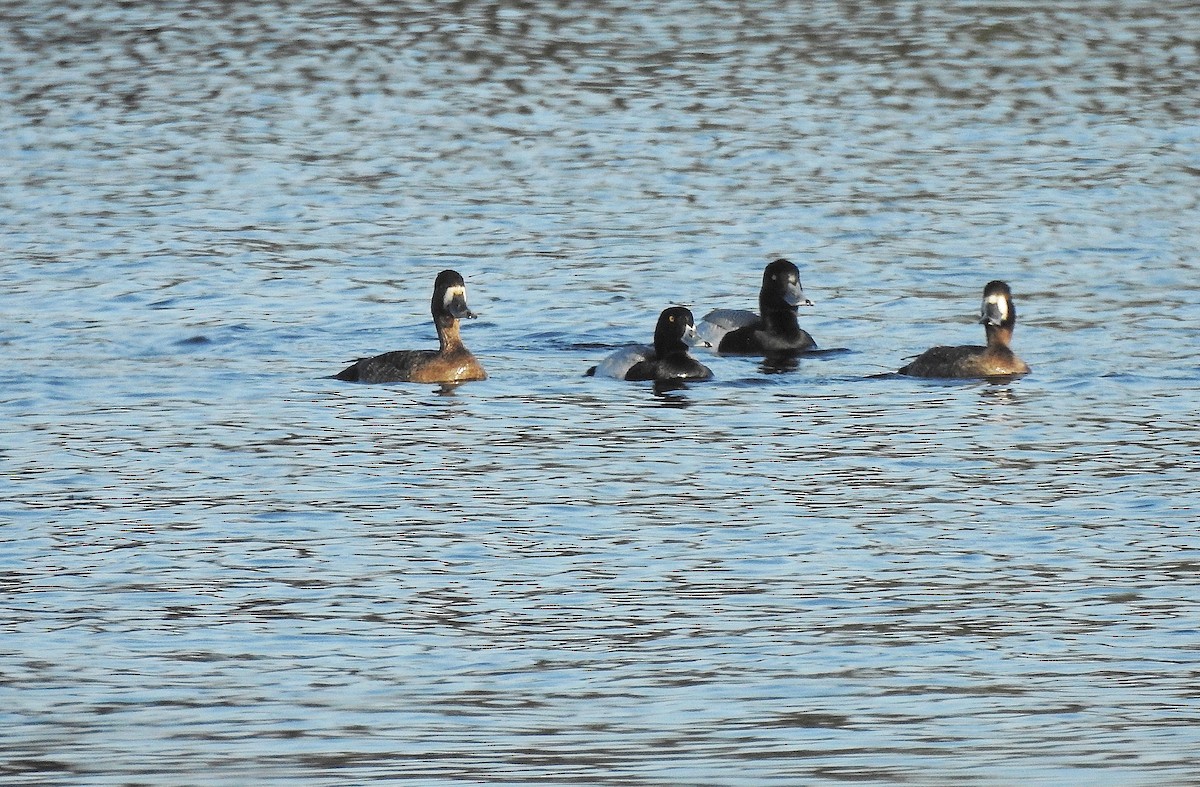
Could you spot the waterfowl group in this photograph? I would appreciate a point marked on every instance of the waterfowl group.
(773, 332)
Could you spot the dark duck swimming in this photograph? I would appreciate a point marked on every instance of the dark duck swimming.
(668, 360)
(774, 330)
(452, 362)
(998, 315)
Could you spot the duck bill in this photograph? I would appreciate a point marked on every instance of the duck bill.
(457, 306)
(692, 338)
(991, 313)
(794, 296)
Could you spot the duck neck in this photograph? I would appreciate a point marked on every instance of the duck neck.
(779, 318)
(665, 345)
(999, 335)
(448, 337)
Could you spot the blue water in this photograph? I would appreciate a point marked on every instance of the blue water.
(222, 567)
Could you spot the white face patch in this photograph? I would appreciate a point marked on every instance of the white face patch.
(452, 293)
(995, 304)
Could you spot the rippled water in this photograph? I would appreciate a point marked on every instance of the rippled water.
(221, 567)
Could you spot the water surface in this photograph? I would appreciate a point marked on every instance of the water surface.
(222, 566)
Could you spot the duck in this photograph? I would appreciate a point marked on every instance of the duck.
(452, 362)
(668, 360)
(774, 331)
(998, 315)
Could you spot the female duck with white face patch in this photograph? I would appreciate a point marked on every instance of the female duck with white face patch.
(668, 360)
(451, 363)
(998, 315)
(774, 331)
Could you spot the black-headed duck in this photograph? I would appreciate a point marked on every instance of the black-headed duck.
(668, 360)
(998, 316)
(451, 363)
(774, 331)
